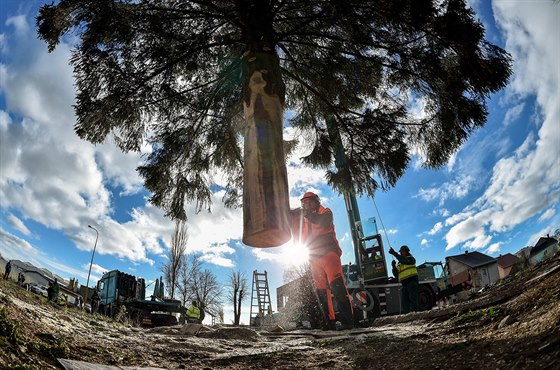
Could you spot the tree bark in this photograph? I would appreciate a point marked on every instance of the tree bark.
(265, 179)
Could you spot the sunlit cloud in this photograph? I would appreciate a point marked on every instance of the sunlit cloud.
(18, 224)
(549, 213)
(437, 227)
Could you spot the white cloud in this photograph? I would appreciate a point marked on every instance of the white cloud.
(20, 24)
(13, 247)
(452, 220)
(527, 182)
(513, 113)
(494, 248)
(215, 254)
(52, 177)
(424, 242)
(437, 227)
(120, 168)
(549, 213)
(18, 224)
(456, 189)
(96, 272)
(471, 227)
(479, 241)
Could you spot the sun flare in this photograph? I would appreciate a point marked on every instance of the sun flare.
(294, 254)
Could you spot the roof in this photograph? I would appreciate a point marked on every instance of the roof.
(29, 268)
(473, 259)
(507, 260)
(542, 244)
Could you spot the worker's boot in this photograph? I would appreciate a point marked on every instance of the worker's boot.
(324, 306)
(346, 314)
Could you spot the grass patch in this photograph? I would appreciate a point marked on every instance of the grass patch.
(53, 351)
(8, 330)
(489, 313)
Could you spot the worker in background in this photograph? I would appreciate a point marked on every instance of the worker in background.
(95, 301)
(21, 279)
(405, 270)
(53, 291)
(193, 313)
(8, 269)
(312, 225)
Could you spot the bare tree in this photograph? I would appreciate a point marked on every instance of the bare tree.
(200, 285)
(237, 293)
(187, 278)
(208, 291)
(175, 257)
(295, 272)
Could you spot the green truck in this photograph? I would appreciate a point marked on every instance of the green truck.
(120, 291)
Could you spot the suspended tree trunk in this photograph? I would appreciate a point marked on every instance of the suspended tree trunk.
(265, 179)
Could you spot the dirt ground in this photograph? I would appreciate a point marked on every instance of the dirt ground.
(513, 325)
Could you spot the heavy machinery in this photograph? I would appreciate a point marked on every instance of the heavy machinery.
(118, 290)
(373, 291)
(368, 282)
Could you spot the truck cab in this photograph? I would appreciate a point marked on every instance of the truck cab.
(116, 288)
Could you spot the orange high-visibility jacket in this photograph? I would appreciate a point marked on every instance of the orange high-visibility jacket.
(316, 231)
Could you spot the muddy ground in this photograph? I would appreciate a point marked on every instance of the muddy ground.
(513, 325)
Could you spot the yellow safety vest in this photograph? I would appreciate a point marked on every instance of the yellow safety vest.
(406, 271)
(193, 312)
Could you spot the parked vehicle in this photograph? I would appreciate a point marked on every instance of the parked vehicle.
(118, 290)
(37, 289)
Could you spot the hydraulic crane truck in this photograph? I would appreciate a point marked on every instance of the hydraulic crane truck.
(118, 289)
(375, 293)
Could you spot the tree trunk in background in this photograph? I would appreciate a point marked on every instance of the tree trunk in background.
(265, 179)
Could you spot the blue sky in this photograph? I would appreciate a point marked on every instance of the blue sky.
(498, 194)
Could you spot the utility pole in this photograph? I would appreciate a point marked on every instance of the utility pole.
(91, 262)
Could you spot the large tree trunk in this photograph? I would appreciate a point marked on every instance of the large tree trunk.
(265, 179)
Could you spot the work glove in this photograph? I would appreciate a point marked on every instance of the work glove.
(296, 212)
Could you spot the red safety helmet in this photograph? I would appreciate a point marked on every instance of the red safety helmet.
(311, 195)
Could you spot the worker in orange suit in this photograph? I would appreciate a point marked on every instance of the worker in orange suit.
(312, 225)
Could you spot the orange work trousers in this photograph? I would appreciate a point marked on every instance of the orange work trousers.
(325, 270)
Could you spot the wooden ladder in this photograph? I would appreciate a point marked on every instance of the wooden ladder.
(260, 298)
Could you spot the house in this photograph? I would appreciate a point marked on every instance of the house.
(477, 268)
(34, 274)
(545, 248)
(39, 276)
(506, 264)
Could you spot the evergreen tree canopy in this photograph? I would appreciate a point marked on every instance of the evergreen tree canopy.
(175, 73)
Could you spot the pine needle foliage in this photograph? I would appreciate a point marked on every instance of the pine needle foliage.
(172, 73)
